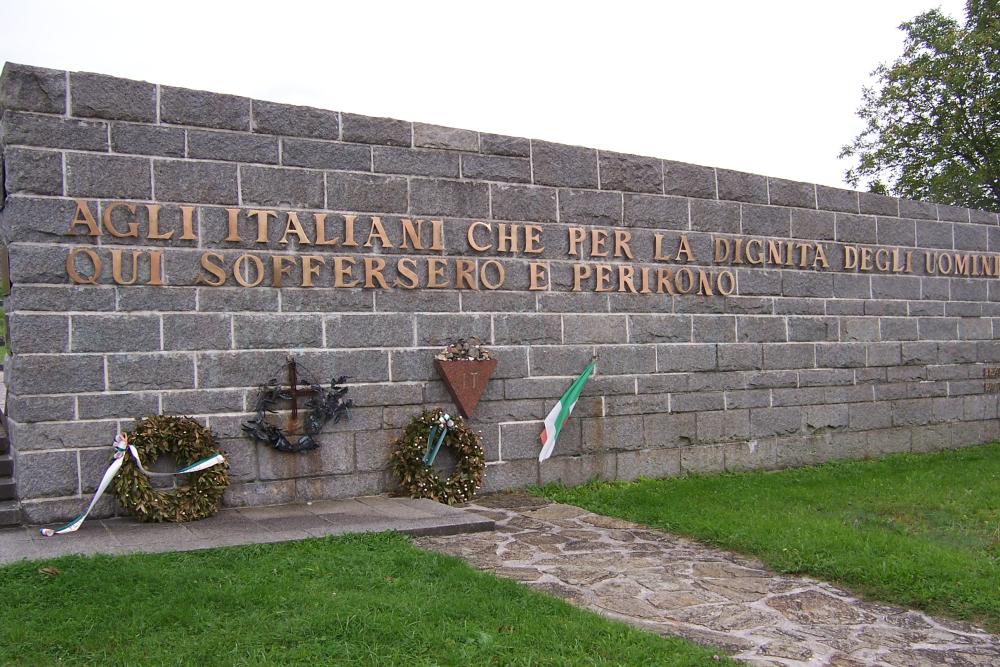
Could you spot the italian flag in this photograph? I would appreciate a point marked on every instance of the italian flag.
(560, 413)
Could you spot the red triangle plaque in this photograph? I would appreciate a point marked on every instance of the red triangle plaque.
(466, 380)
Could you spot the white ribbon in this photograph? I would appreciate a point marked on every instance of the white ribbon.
(121, 446)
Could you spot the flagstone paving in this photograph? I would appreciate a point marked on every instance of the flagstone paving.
(674, 586)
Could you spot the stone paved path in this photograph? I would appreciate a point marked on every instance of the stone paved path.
(673, 586)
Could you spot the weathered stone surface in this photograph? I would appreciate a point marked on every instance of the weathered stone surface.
(674, 587)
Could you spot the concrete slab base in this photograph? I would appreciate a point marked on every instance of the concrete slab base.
(252, 525)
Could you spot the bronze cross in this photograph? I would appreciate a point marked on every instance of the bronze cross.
(294, 393)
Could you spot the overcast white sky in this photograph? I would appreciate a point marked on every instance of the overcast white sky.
(765, 86)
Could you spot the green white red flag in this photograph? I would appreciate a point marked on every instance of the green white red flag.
(560, 413)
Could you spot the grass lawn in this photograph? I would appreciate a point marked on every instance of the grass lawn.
(369, 600)
(917, 530)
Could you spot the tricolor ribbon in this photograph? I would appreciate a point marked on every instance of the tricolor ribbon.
(121, 447)
(444, 422)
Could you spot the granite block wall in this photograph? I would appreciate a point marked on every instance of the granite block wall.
(170, 247)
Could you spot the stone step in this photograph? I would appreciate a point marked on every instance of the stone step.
(7, 488)
(10, 513)
(6, 466)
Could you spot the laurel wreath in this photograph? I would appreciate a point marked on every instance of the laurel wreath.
(422, 481)
(187, 441)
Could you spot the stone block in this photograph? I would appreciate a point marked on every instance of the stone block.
(741, 186)
(115, 333)
(713, 329)
(118, 406)
(590, 207)
(813, 225)
(761, 329)
(137, 372)
(240, 299)
(626, 359)
(369, 130)
(659, 328)
(496, 168)
(840, 355)
(856, 228)
(648, 463)
(37, 333)
(360, 192)
(452, 198)
(694, 357)
(47, 474)
(715, 216)
(575, 470)
(415, 161)
(937, 328)
(55, 374)
(782, 192)
(33, 172)
(513, 202)
(296, 121)
(894, 231)
(630, 173)
(26, 88)
(668, 430)
(917, 209)
(739, 357)
(196, 182)
(231, 147)
(779, 356)
(371, 329)
(569, 166)
(54, 297)
(441, 329)
(506, 475)
(824, 417)
(38, 264)
(189, 331)
(138, 139)
(101, 96)
(895, 287)
(108, 176)
(766, 221)
(697, 402)
(703, 459)
(266, 331)
(335, 456)
(61, 435)
(878, 204)
(723, 425)
(656, 212)
(766, 422)
(41, 408)
(934, 234)
(688, 180)
(806, 329)
(437, 136)
(527, 329)
(272, 186)
(971, 237)
(27, 129)
(752, 455)
(417, 301)
(836, 199)
(40, 220)
(603, 328)
(182, 106)
(568, 361)
(497, 144)
(203, 401)
(325, 155)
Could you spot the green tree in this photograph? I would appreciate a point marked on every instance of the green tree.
(932, 120)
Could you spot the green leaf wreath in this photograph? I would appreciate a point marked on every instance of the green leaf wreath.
(187, 441)
(422, 481)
